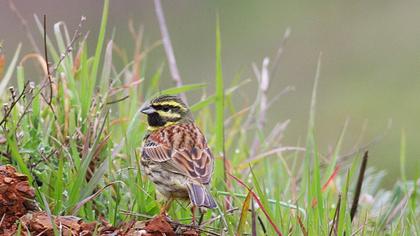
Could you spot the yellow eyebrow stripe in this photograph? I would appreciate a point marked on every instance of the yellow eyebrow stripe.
(170, 103)
(168, 114)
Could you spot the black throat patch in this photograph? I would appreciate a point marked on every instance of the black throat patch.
(155, 120)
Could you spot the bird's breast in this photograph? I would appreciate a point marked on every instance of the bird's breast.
(167, 183)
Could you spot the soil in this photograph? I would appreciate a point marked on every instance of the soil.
(19, 212)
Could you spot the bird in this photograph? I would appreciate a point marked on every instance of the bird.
(175, 155)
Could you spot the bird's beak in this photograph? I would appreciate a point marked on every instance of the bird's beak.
(147, 109)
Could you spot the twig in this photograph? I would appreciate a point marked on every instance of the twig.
(188, 226)
(63, 55)
(44, 159)
(46, 60)
(281, 93)
(362, 227)
(302, 227)
(264, 85)
(280, 51)
(118, 100)
(26, 109)
(271, 201)
(47, 64)
(138, 40)
(399, 208)
(69, 47)
(372, 142)
(130, 213)
(230, 211)
(276, 134)
(359, 186)
(173, 68)
(261, 101)
(260, 156)
(13, 104)
(342, 159)
(264, 76)
(24, 23)
(87, 199)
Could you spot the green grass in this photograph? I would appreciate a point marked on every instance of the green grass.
(81, 152)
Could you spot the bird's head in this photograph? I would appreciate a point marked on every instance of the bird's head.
(166, 110)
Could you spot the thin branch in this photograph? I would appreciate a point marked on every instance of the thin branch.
(261, 102)
(302, 226)
(68, 50)
(89, 198)
(166, 40)
(271, 201)
(130, 213)
(47, 64)
(26, 109)
(46, 61)
(118, 100)
(263, 155)
(13, 104)
(264, 85)
(371, 143)
(400, 207)
(230, 211)
(280, 51)
(69, 47)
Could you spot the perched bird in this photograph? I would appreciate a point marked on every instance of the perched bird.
(175, 155)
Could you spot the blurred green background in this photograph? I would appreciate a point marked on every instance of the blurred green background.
(370, 65)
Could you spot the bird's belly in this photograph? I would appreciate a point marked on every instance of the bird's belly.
(168, 184)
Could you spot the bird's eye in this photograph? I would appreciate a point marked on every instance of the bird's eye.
(167, 109)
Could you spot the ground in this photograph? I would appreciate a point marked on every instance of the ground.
(19, 212)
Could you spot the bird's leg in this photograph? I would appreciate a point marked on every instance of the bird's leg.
(201, 217)
(193, 214)
(166, 206)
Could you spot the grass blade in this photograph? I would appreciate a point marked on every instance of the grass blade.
(244, 213)
(89, 198)
(106, 70)
(336, 216)
(181, 89)
(75, 192)
(221, 164)
(100, 41)
(359, 186)
(9, 72)
(211, 99)
(256, 198)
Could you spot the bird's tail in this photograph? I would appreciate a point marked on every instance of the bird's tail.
(200, 196)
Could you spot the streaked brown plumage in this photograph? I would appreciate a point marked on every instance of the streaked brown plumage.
(175, 155)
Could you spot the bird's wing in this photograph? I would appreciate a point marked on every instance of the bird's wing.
(198, 166)
(156, 150)
(182, 150)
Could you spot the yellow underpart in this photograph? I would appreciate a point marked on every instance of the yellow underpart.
(153, 128)
(170, 103)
